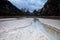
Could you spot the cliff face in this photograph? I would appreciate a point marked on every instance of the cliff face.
(51, 8)
(8, 9)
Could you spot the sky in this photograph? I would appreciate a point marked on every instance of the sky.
(29, 4)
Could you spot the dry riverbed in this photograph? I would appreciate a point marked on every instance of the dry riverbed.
(20, 29)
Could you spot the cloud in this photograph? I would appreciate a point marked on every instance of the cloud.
(29, 4)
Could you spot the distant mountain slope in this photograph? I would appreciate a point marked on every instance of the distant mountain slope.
(51, 8)
(8, 9)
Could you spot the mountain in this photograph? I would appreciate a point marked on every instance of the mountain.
(8, 9)
(51, 8)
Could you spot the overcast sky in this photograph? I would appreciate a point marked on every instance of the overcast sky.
(29, 4)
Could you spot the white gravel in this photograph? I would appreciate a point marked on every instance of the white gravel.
(20, 29)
